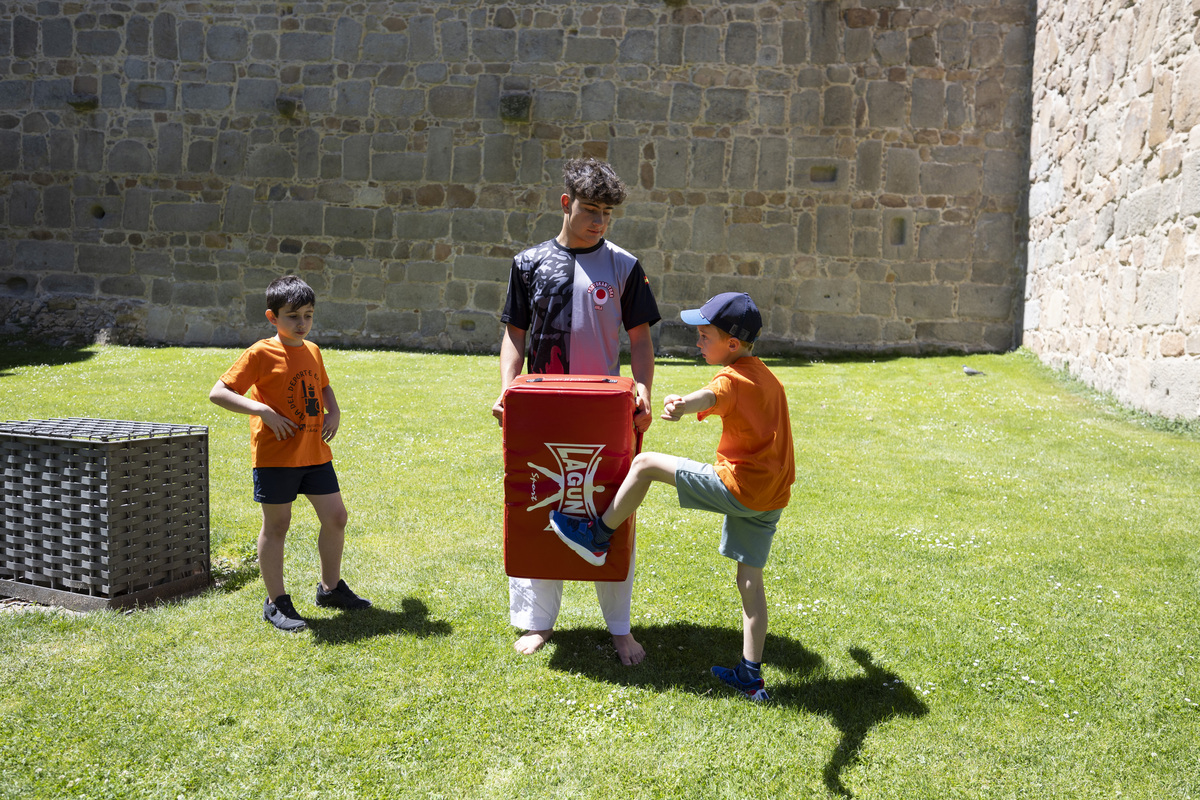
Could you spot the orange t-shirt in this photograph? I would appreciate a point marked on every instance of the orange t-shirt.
(754, 456)
(289, 380)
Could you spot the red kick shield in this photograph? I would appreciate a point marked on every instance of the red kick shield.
(568, 443)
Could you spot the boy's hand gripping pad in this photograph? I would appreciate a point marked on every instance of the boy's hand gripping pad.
(568, 443)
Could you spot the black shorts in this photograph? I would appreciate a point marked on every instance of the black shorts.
(277, 485)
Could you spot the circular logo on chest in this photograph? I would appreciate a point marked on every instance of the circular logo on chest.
(600, 292)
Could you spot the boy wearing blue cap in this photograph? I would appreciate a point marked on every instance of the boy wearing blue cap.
(750, 483)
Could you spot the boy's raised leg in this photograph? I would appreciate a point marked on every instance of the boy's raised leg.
(645, 470)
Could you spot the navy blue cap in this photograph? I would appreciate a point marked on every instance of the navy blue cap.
(732, 312)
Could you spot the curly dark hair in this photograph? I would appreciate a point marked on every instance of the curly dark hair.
(291, 291)
(590, 179)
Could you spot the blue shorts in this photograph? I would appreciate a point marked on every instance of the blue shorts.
(278, 485)
(747, 534)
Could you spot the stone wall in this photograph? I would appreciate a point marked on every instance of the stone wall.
(1113, 291)
(860, 167)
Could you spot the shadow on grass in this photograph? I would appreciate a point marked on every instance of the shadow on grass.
(16, 353)
(228, 577)
(353, 626)
(679, 657)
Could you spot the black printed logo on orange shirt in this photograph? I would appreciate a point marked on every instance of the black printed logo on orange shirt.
(303, 396)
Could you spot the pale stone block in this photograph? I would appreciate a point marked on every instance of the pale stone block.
(1033, 317)
(1047, 50)
(478, 225)
(1133, 131)
(1160, 112)
(994, 237)
(903, 171)
(1185, 105)
(825, 33)
(1093, 312)
(1189, 179)
(130, 156)
(671, 171)
(1170, 162)
(869, 166)
(1054, 314)
(1077, 291)
(891, 47)
(1189, 307)
(993, 303)
(708, 161)
(1125, 294)
(741, 43)
(1002, 172)
(708, 230)
(857, 330)
(944, 242)
(747, 238)
(271, 161)
(923, 302)
(1166, 200)
(1173, 344)
(886, 104)
(826, 295)
(702, 44)
(833, 230)
(635, 104)
(1143, 72)
(1108, 144)
(772, 163)
(1157, 298)
(839, 107)
(1172, 388)
(1046, 193)
(876, 299)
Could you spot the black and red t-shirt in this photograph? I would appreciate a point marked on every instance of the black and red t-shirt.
(573, 304)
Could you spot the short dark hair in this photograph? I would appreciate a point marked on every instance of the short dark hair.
(289, 290)
(590, 179)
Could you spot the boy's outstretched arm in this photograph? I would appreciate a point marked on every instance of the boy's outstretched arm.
(228, 399)
(333, 414)
(674, 406)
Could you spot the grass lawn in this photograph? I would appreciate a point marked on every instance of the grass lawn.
(984, 588)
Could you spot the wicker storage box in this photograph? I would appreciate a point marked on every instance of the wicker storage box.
(103, 513)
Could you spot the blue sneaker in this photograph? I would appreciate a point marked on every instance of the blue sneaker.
(577, 534)
(754, 690)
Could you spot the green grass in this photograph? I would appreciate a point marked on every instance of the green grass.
(983, 588)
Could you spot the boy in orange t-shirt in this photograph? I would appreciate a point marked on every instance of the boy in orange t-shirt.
(281, 383)
(750, 483)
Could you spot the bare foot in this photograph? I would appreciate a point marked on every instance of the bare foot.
(531, 641)
(628, 649)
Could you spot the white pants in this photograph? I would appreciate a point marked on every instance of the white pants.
(533, 604)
